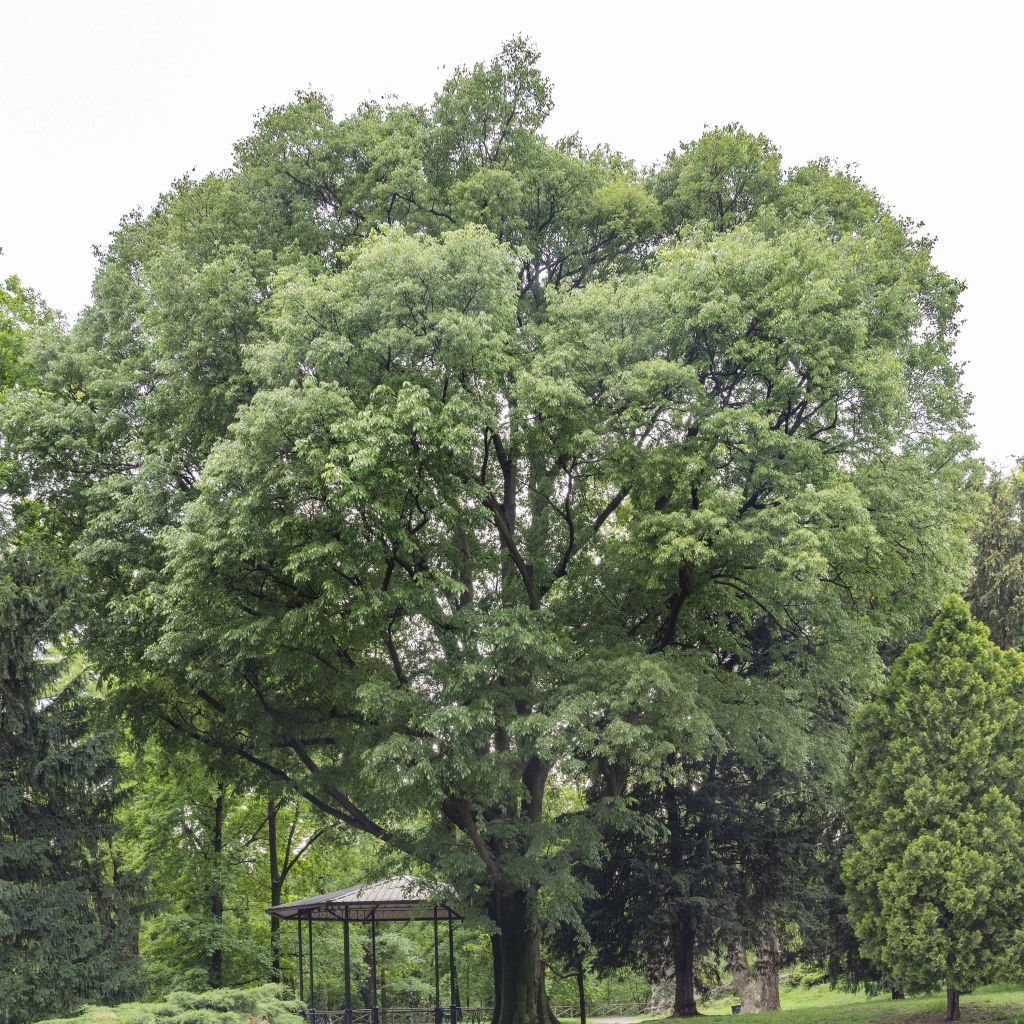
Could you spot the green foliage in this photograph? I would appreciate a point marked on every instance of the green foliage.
(179, 814)
(68, 922)
(21, 310)
(265, 1004)
(723, 178)
(935, 873)
(409, 465)
(997, 591)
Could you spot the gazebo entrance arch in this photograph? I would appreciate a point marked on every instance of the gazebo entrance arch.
(396, 899)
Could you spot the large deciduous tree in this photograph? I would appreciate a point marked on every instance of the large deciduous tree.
(418, 460)
(935, 875)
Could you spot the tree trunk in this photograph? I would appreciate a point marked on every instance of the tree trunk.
(683, 946)
(769, 955)
(582, 991)
(952, 1004)
(519, 996)
(496, 967)
(757, 991)
(898, 993)
(743, 978)
(275, 891)
(216, 896)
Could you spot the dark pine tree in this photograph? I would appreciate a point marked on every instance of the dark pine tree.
(68, 930)
(665, 884)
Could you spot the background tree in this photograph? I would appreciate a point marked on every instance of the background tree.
(68, 922)
(415, 520)
(665, 888)
(997, 591)
(21, 309)
(206, 926)
(935, 873)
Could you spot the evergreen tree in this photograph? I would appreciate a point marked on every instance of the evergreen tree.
(997, 592)
(666, 886)
(67, 924)
(935, 872)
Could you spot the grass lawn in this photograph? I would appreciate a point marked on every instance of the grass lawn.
(823, 1005)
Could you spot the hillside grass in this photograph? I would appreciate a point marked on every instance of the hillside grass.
(824, 1005)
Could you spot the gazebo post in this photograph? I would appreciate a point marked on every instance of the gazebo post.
(348, 974)
(374, 1014)
(312, 989)
(438, 1012)
(453, 988)
(302, 997)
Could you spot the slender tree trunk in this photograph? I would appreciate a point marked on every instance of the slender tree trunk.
(519, 979)
(496, 966)
(581, 989)
(952, 1004)
(216, 896)
(898, 993)
(275, 890)
(683, 947)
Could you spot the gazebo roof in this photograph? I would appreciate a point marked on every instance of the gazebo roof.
(404, 898)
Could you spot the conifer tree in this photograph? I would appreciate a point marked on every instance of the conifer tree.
(997, 591)
(67, 925)
(935, 872)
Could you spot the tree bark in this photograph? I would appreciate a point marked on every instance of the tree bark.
(275, 891)
(769, 955)
(757, 990)
(952, 1004)
(582, 992)
(496, 966)
(519, 996)
(216, 896)
(743, 978)
(683, 949)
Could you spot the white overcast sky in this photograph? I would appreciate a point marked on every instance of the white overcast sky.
(103, 103)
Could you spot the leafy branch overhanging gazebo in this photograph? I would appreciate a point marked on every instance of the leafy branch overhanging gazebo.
(404, 898)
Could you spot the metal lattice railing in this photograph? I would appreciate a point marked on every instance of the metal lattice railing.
(402, 1015)
(572, 1010)
(462, 1015)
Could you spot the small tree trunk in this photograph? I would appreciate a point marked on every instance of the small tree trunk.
(581, 988)
(952, 1004)
(275, 891)
(898, 993)
(216, 896)
(497, 968)
(683, 947)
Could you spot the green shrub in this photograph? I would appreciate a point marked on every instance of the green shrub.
(268, 1004)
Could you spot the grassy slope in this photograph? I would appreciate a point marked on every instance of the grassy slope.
(826, 1006)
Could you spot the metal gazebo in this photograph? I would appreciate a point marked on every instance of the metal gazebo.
(404, 898)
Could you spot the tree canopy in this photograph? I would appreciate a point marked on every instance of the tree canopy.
(417, 460)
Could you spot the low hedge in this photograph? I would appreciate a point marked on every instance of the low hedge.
(268, 1004)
